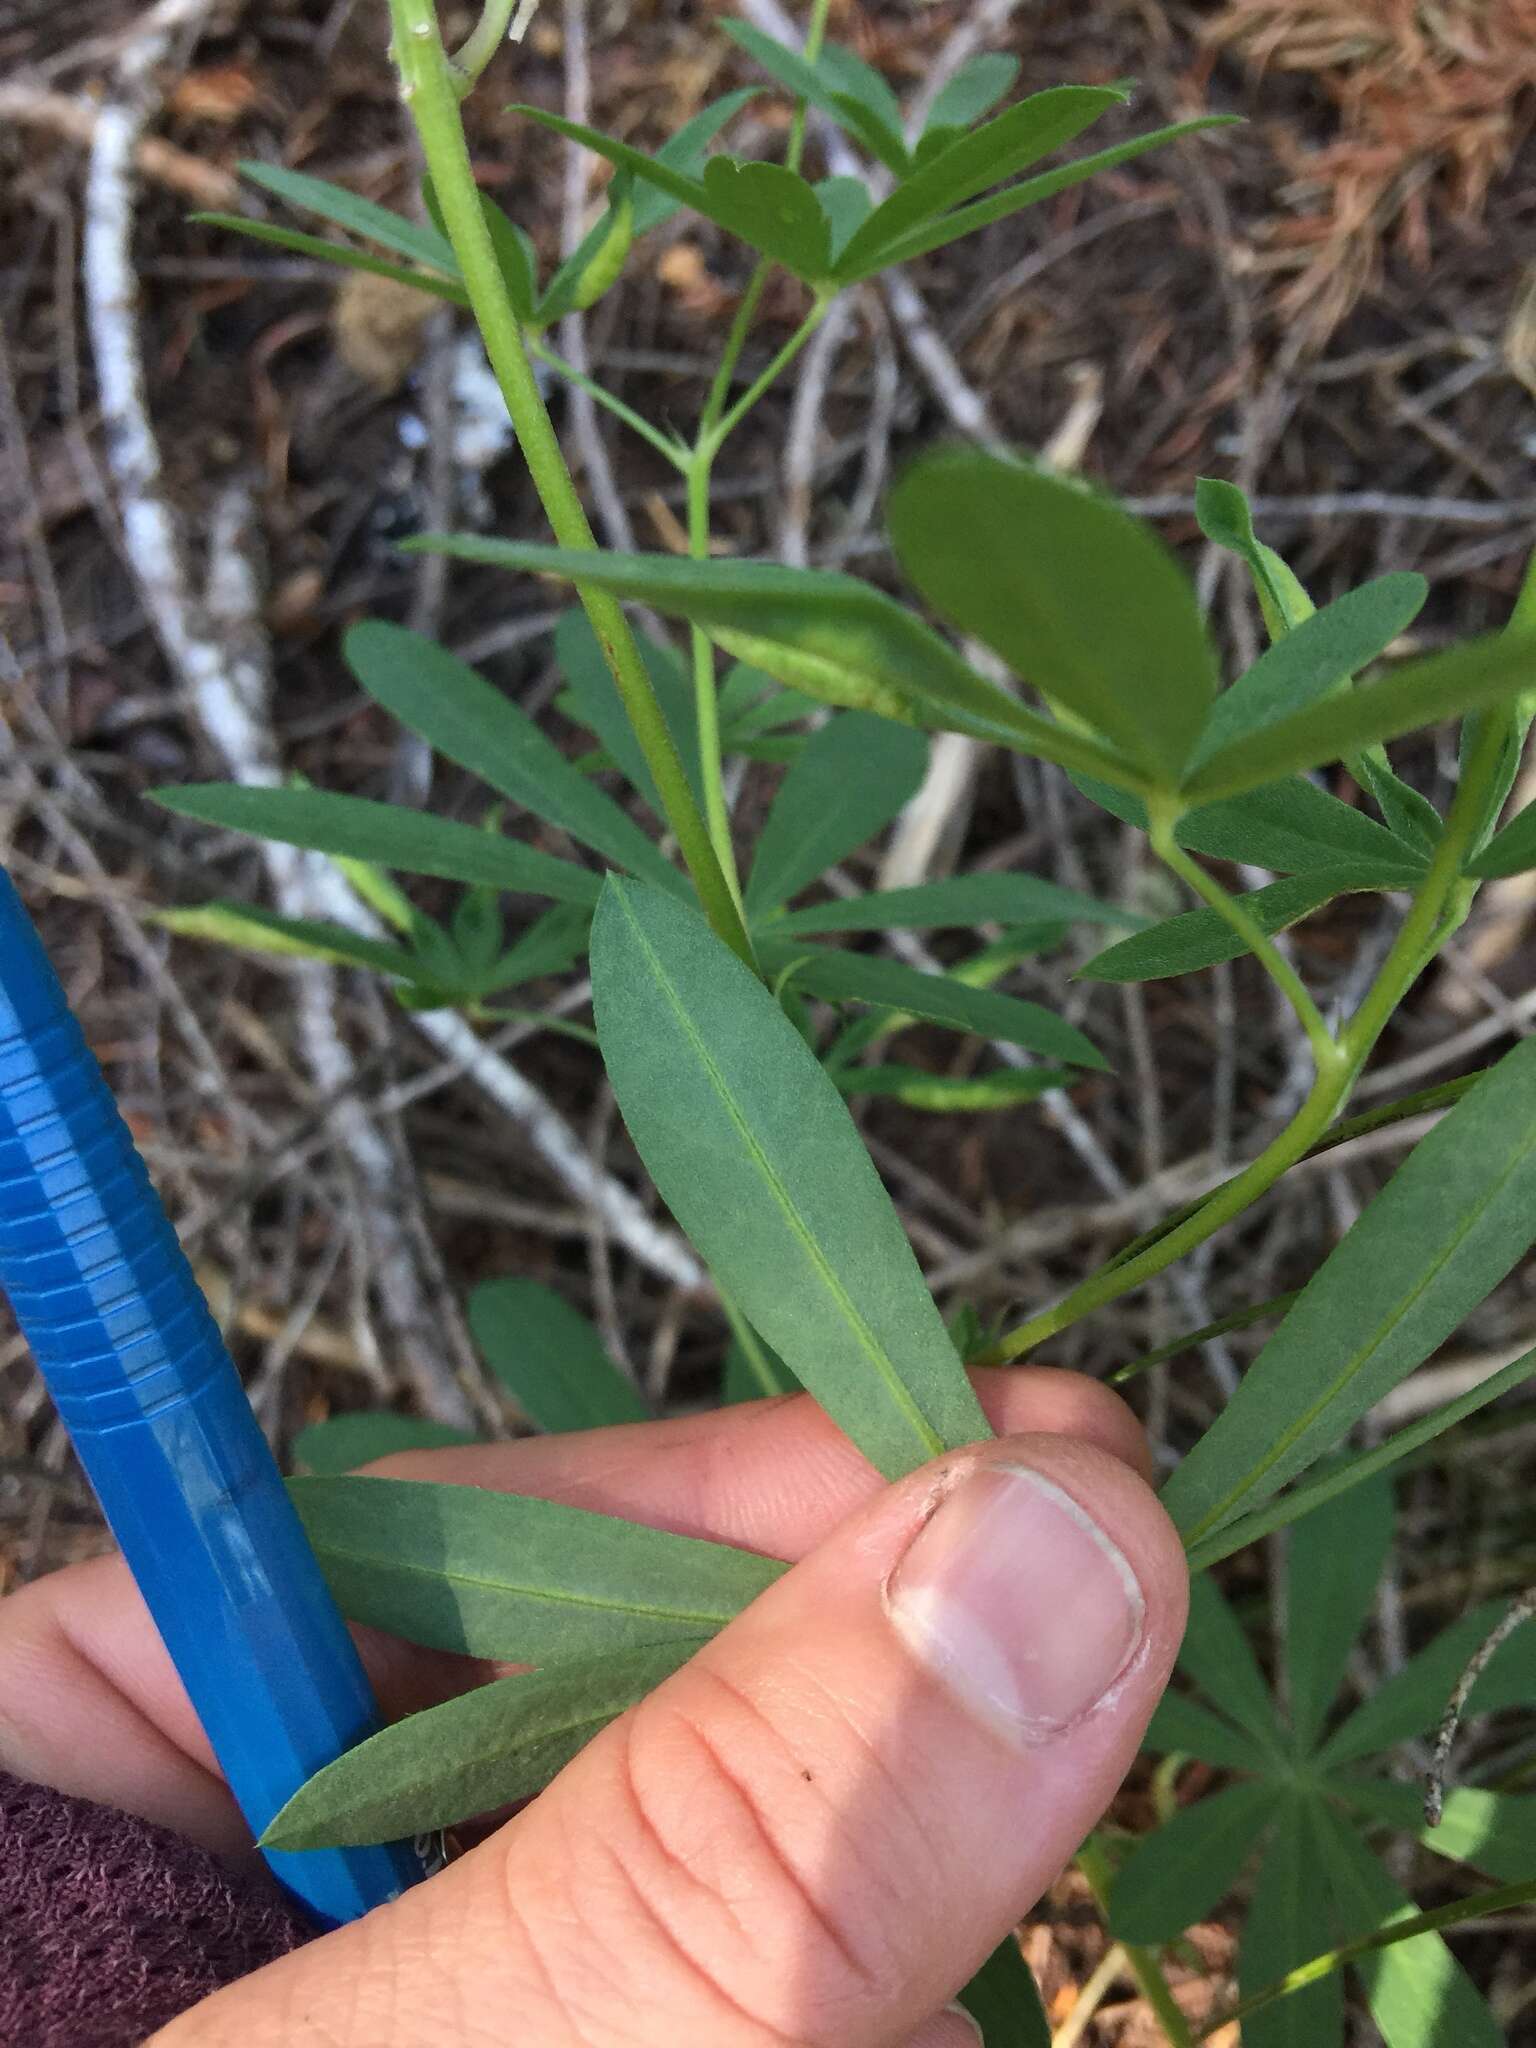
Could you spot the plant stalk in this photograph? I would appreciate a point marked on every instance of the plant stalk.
(428, 86)
(1144, 1965)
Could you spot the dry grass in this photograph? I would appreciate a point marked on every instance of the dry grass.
(1434, 98)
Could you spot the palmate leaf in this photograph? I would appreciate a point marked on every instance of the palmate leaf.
(1445, 1230)
(361, 829)
(344, 1442)
(1200, 938)
(754, 1152)
(1226, 518)
(685, 151)
(1006, 899)
(1079, 599)
(1418, 1993)
(852, 778)
(454, 708)
(523, 1581)
(1312, 660)
(549, 1358)
(839, 640)
(937, 999)
(1511, 851)
(1173, 1877)
(1333, 1568)
(500, 1743)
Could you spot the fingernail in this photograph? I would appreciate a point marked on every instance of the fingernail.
(1015, 1597)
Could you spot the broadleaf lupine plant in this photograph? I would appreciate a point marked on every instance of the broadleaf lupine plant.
(712, 995)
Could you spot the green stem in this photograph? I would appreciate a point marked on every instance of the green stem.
(1460, 1910)
(484, 40)
(1325, 1049)
(815, 36)
(1226, 1203)
(1438, 907)
(600, 395)
(429, 89)
(706, 700)
(715, 437)
(1145, 1967)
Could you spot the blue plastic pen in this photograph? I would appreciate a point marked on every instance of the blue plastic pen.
(141, 1378)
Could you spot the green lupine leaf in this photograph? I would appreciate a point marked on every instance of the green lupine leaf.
(594, 702)
(339, 253)
(974, 90)
(1225, 518)
(1290, 826)
(685, 151)
(938, 999)
(468, 720)
(1175, 1875)
(344, 1442)
(1494, 1832)
(1004, 2001)
(1412, 817)
(1181, 1726)
(516, 257)
(551, 943)
(1418, 1993)
(1448, 1226)
(1411, 1701)
(846, 202)
(867, 104)
(597, 261)
(843, 87)
(755, 1154)
(1008, 899)
(1346, 1473)
(549, 1358)
(487, 1748)
(264, 931)
(837, 639)
(1288, 1923)
(1478, 673)
(1332, 1571)
(752, 704)
(1081, 600)
(773, 210)
(852, 778)
(1511, 851)
(1312, 660)
(348, 210)
(983, 213)
(1200, 938)
(748, 1378)
(1218, 1656)
(1036, 127)
(523, 1581)
(954, 1094)
(413, 841)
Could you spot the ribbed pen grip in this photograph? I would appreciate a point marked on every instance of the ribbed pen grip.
(117, 1323)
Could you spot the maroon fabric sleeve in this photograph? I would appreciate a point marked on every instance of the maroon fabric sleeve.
(110, 1927)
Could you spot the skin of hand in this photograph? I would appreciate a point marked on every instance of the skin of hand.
(810, 1837)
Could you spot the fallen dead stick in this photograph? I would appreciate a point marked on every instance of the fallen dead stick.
(74, 120)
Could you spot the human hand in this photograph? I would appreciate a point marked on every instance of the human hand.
(812, 1834)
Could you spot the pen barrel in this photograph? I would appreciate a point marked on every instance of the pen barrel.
(105, 1298)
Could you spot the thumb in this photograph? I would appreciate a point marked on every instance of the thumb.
(818, 1829)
